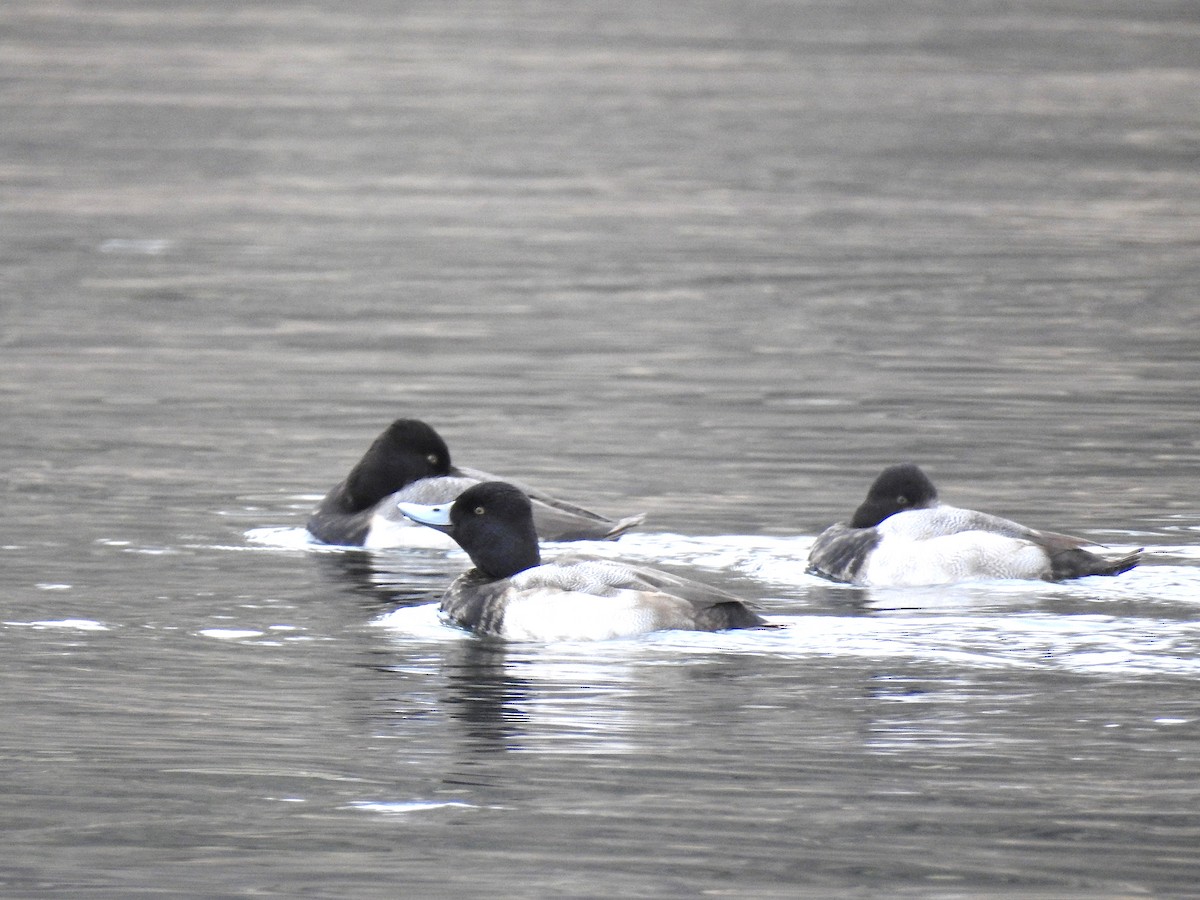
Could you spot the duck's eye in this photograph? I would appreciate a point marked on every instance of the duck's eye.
(432, 459)
(479, 510)
(902, 500)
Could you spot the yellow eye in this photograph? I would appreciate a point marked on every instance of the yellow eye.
(479, 510)
(432, 459)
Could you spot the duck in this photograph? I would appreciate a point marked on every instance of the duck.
(410, 462)
(512, 594)
(903, 535)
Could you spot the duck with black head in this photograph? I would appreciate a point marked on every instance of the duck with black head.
(901, 534)
(410, 463)
(512, 594)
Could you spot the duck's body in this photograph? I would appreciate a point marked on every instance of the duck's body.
(410, 463)
(902, 535)
(512, 594)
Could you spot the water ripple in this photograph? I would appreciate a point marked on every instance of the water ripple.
(1098, 644)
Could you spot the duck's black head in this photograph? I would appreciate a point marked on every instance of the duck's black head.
(897, 488)
(407, 451)
(492, 522)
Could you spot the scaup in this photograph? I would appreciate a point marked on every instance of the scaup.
(409, 462)
(902, 535)
(510, 593)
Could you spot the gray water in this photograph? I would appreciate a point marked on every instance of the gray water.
(718, 262)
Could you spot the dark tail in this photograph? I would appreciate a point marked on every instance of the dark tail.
(731, 614)
(1077, 563)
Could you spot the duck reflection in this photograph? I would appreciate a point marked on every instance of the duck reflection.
(485, 696)
(540, 699)
(499, 696)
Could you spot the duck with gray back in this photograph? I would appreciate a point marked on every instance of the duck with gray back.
(409, 462)
(512, 594)
(901, 534)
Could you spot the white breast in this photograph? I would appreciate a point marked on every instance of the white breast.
(968, 555)
(552, 614)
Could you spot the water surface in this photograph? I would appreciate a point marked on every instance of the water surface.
(716, 262)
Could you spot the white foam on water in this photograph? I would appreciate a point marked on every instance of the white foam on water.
(230, 634)
(70, 624)
(406, 807)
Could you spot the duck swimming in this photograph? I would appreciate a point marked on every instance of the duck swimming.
(902, 535)
(510, 593)
(409, 462)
